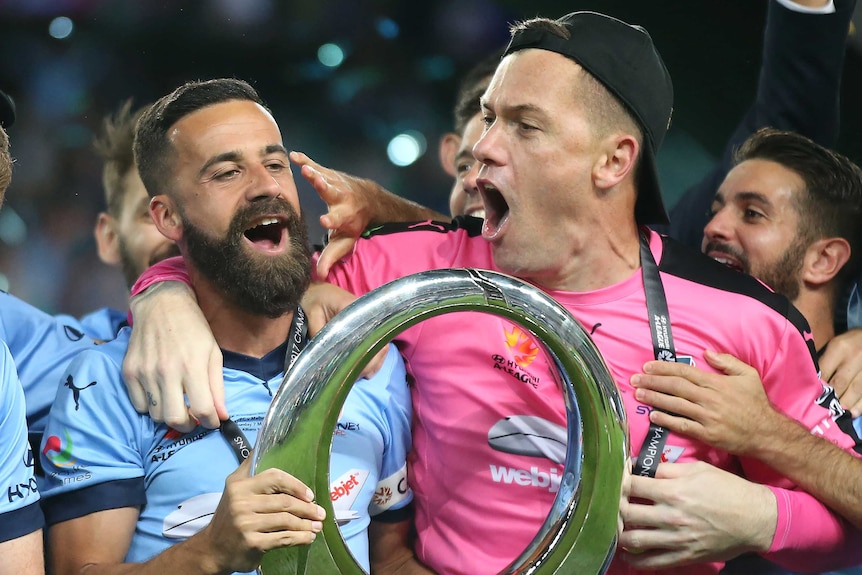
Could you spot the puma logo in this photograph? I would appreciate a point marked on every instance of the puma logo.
(76, 391)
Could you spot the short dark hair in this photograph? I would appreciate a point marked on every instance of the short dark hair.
(153, 152)
(830, 205)
(471, 87)
(114, 145)
(5, 163)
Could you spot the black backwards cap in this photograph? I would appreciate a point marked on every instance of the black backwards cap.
(623, 58)
(7, 110)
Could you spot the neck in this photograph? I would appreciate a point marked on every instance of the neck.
(603, 259)
(236, 329)
(818, 310)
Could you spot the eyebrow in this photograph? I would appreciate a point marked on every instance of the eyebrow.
(235, 156)
(752, 197)
(719, 198)
(465, 154)
(515, 109)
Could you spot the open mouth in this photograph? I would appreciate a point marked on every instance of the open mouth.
(728, 261)
(732, 264)
(267, 234)
(496, 209)
(476, 212)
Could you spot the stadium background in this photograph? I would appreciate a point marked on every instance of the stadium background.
(68, 62)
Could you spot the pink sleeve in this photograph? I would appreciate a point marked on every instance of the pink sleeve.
(791, 381)
(171, 269)
(809, 537)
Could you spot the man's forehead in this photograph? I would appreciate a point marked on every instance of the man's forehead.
(760, 179)
(531, 73)
(232, 119)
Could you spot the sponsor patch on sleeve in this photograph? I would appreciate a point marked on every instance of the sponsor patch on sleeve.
(390, 491)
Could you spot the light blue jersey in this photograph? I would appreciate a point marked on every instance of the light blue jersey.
(42, 347)
(99, 453)
(103, 324)
(19, 498)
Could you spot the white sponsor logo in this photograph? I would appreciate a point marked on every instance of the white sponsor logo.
(344, 491)
(190, 516)
(533, 477)
(390, 491)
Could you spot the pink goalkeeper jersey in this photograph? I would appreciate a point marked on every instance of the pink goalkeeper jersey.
(478, 376)
(481, 381)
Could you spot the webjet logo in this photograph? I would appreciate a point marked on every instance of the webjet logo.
(534, 477)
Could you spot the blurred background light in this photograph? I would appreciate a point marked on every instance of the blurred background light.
(330, 55)
(61, 27)
(406, 148)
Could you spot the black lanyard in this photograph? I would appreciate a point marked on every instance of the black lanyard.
(662, 344)
(297, 342)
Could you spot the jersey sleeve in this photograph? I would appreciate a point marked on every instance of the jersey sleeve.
(794, 387)
(170, 269)
(92, 447)
(396, 250)
(19, 500)
(809, 537)
(392, 491)
(41, 346)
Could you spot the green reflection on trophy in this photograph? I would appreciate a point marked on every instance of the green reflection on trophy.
(579, 534)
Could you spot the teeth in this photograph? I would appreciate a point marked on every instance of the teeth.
(478, 214)
(268, 221)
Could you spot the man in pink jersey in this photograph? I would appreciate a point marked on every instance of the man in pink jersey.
(574, 116)
(788, 214)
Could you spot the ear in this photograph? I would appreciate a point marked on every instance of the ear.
(449, 144)
(824, 259)
(166, 216)
(616, 160)
(107, 240)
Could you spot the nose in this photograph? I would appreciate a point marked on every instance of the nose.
(487, 150)
(469, 181)
(263, 184)
(718, 227)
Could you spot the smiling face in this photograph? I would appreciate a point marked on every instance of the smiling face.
(756, 227)
(544, 217)
(237, 216)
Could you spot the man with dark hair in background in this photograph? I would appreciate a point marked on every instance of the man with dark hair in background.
(787, 213)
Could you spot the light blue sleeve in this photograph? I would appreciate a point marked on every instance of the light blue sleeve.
(42, 347)
(392, 490)
(103, 324)
(19, 509)
(93, 440)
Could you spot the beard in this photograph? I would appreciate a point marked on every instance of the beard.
(132, 270)
(268, 286)
(783, 275)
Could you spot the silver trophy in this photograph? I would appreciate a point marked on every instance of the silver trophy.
(580, 533)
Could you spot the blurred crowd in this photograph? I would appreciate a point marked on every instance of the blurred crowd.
(68, 63)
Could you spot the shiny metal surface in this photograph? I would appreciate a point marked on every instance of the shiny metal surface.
(579, 534)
